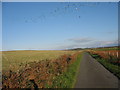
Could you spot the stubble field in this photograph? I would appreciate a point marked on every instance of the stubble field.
(14, 59)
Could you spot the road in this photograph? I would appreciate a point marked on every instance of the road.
(93, 75)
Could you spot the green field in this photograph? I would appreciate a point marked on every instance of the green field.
(13, 59)
(106, 49)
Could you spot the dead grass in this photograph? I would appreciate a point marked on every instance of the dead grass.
(39, 74)
(14, 59)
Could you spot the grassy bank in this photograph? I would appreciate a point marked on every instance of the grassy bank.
(68, 78)
(115, 69)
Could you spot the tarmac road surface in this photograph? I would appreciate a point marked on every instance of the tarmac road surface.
(93, 75)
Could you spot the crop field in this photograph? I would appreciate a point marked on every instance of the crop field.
(39, 69)
(0, 69)
(13, 59)
(0, 61)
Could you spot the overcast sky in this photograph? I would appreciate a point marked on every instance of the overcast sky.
(59, 25)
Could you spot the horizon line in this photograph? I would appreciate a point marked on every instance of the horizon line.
(55, 49)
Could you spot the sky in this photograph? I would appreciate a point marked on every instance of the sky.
(0, 26)
(57, 26)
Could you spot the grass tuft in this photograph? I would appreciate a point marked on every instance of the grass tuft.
(68, 78)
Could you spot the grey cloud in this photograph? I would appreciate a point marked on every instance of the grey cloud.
(87, 43)
(81, 40)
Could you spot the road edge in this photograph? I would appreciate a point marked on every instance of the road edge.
(78, 69)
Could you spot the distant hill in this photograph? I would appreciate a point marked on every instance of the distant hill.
(99, 48)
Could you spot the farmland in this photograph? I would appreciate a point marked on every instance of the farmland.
(0, 61)
(53, 69)
(13, 59)
(40, 69)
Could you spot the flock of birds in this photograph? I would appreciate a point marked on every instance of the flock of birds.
(70, 7)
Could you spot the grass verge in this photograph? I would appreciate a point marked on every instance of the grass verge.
(68, 78)
(115, 69)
